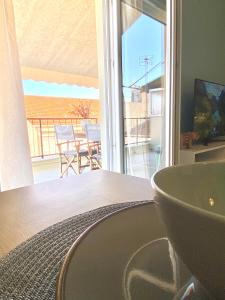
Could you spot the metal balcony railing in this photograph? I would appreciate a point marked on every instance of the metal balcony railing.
(42, 134)
(137, 130)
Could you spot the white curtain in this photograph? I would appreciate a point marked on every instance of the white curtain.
(15, 162)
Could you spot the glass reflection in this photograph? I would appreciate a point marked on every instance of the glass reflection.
(155, 272)
(143, 78)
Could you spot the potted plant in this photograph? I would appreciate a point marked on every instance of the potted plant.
(203, 126)
(203, 119)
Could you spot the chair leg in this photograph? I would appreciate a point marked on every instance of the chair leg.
(78, 163)
(65, 171)
(69, 164)
(73, 169)
(80, 157)
(98, 164)
(61, 166)
(91, 163)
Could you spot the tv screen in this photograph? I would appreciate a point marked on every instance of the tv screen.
(209, 109)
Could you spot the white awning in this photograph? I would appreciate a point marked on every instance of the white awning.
(153, 8)
(57, 40)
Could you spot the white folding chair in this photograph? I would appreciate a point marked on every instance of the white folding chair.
(71, 150)
(93, 135)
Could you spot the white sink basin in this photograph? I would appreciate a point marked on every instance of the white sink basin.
(191, 200)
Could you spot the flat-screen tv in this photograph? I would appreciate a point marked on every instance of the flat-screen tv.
(209, 109)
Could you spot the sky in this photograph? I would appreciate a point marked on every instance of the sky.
(40, 88)
(143, 39)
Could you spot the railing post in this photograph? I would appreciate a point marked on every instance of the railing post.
(136, 130)
(41, 139)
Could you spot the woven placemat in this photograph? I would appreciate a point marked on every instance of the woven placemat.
(30, 270)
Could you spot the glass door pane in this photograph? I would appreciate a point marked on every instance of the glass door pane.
(143, 81)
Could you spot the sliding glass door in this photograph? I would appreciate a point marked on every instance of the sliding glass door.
(143, 85)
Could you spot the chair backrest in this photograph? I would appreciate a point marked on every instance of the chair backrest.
(64, 133)
(84, 122)
(93, 132)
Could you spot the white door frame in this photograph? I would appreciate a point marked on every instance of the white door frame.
(109, 64)
(172, 107)
(108, 22)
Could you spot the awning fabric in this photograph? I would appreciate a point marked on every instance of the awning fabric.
(57, 40)
(153, 8)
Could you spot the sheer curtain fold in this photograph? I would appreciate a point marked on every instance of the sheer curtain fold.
(15, 162)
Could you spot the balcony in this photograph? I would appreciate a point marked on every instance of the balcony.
(42, 135)
(44, 153)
